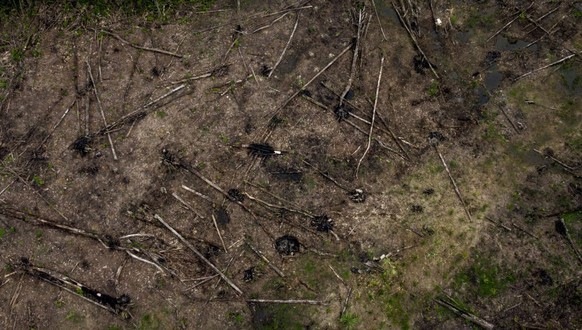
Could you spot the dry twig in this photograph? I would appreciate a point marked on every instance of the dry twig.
(373, 117)
(155, 50)
(262, 256)
(219, 234)
(457, 191)
(414, 40)
(546, 66)
(101, 110)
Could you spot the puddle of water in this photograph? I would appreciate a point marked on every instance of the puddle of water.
(527, 156)
(482, 96)
(572, 79)
(504, 44)
(464, 36)
(493, 80)
(385, 10)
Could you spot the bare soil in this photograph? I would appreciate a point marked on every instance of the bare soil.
(142, 151)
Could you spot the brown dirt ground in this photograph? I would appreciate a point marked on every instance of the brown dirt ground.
(408, 245)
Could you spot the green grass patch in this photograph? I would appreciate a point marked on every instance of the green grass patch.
(349, 320)
(74, 317)
(434, 88)
(237, 318)
(149, 322)
(37, 180)
(484, 278)
(573, 222)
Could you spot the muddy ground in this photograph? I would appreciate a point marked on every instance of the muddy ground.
(146, 147)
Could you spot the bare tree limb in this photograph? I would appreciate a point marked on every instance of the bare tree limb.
(291, 301)
(199, 254)
(286, 46)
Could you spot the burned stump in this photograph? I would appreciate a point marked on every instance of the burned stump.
(287, 245)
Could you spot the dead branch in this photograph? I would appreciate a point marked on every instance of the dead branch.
(378, 18)
(498, 224)
(101, 109)
(539, 19)
(361, 17)
(155, 50)
(373, 117)
(282, 200)
(557, 161)
(290, 98)
(327, 176)
(277, 207)
(224, 193)
(183, 202)
(25, 182)
(508, 119)
(202, 76)
(201, 195)
(347, 121)
(206, 180)
(286, 46)
(262, 256)
(396, 139)
(450, 304)
(227, 266)
(349, 289)
(524, 231)
(138, 114)
(290, 9)
(457, 191)
(545, 66)
(249, 67)
(270, 24)
(219, 234)
(145, 261)
(58, 123)
(13, 301)
(563, 230)
(414, 40)
(200, 255)
(337, 275)
(106, 241)
(216, 71)
(292, 301)
(517, 15)
(115, 305)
